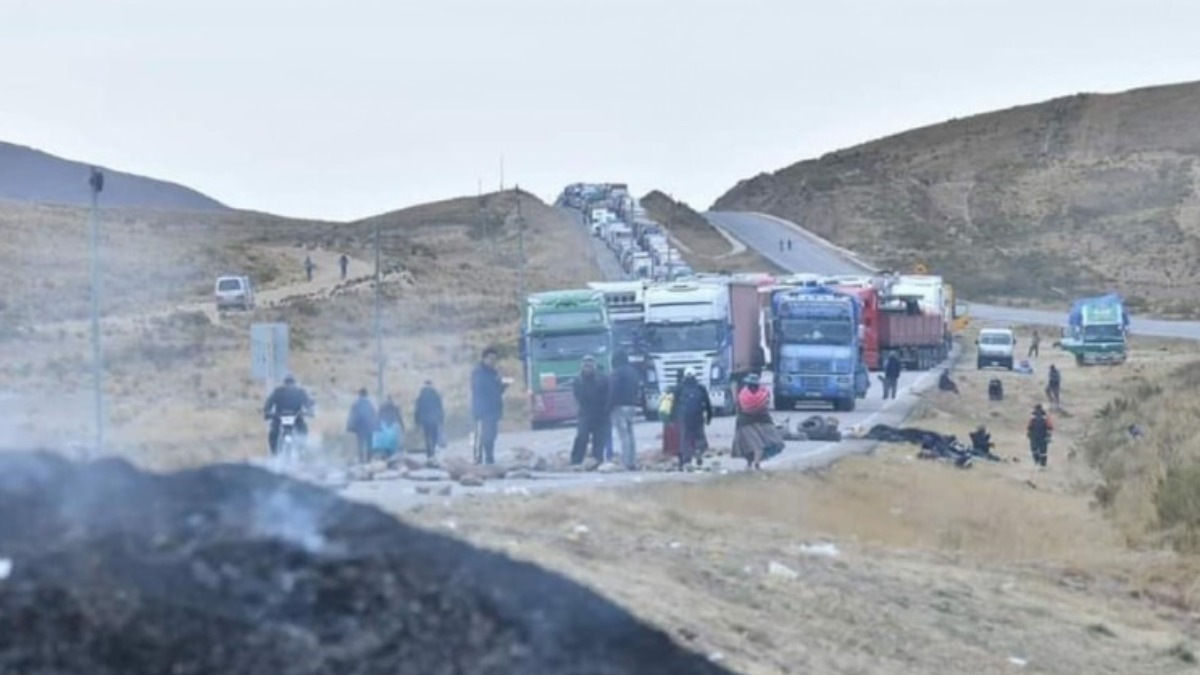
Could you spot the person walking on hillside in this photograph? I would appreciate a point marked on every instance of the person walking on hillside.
(1034, 343)
(1054, 387)
(487, 405)
(592, 396)
(362, 422)
(429, 416)
(692, 410)
(891, 376)
(344, 262)
(789, 244)
(1038, 431)
(308, 266)
(625, 388)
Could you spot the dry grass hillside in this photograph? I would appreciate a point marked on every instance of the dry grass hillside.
(178, 382)
(704, 247)
(1080, 193)
(887, 563)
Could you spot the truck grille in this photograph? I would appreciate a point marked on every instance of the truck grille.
(670, 368)
(813, 366)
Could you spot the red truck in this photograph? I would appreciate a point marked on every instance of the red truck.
(868, 297)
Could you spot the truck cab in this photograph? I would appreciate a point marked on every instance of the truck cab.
(995, 347)
(559, 329)
(1097, 330)
(815, 348)
(687, 328)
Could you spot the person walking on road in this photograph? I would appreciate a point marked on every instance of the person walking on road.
(592, 396)
(344, 262)
(1054, 387)
(625, 388)
(362, 422)
(308, 266)
(429, 416)
(692, 409)
(1039, 430)
(891, 376)
(487, 405)
(1034, 343)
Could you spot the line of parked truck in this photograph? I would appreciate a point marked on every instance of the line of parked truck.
(818, 336)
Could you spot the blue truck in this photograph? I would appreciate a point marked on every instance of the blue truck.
(1097, 330)
(816, 348)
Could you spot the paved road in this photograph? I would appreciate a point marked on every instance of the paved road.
(812, 254)
(610, 268)
(554, 444)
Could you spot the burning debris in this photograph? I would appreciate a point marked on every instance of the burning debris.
(233, 569)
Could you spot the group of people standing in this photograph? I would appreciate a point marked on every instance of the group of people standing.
(605, 403)
(381, 432)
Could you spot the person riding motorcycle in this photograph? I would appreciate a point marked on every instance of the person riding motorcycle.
(287, 399)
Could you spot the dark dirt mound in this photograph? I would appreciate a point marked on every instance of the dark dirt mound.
(231, 569)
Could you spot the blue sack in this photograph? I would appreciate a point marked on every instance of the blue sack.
(386, 439)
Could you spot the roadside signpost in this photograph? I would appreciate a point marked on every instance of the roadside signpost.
(269, 352)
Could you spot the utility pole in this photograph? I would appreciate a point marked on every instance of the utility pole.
(96, 181)
(378, 318)
(520, 250)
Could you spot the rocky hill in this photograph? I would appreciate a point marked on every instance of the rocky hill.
(28, 175)
(1042, 201)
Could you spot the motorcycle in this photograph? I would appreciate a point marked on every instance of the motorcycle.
(290, 447)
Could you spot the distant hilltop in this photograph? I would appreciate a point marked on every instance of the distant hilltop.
(29, 175)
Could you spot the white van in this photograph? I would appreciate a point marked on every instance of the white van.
(231, 291)
(995, 348)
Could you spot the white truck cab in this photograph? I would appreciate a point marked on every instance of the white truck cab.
(995, 347)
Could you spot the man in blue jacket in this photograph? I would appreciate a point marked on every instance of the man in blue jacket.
(487, 405)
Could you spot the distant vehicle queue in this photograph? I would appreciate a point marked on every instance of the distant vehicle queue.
(817, 337)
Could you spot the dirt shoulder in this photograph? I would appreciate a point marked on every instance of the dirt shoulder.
(884, 563)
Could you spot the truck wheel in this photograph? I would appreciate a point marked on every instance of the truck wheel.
(979, 364)
(845, 405)
(1079, 360)
(651, 415)
(1009, 365)
(784, 403)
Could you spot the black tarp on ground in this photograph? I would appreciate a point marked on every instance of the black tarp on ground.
(232, 569)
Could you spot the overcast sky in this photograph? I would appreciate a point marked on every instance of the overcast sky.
(343, 109)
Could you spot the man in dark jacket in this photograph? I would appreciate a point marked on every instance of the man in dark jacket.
(1054, 387)
(1038, 431)
(487, 405)
(626, 392)
(287, 399)
(891, 376)
(362, 422)
(692, 410)
(592, 398)
(429, 416)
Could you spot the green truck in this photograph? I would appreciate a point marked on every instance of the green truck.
(559, 329)
(1097, 330)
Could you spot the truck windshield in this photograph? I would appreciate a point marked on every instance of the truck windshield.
(1105, 332)
(687, 337)
(995, 339)
(627, 336)
(816, 331)
(569, 347)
